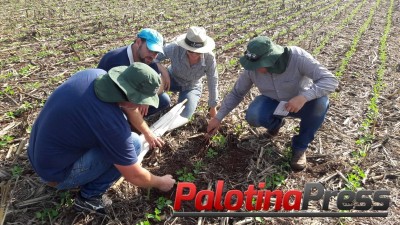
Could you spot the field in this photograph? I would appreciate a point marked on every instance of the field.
(42, 43)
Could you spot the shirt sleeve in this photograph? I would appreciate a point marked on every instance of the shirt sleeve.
(240, 89)
(168, 52)
(324, 82)
(212, 80)
(114, 136)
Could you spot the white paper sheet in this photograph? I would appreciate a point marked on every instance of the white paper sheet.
(280, 109)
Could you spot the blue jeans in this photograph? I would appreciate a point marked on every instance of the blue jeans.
(192, 95)
(94, 173)
(165, 101)
(312, 115)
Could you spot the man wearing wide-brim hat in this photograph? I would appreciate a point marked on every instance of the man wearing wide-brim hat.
(192, 58)
(82, 139)
(287, 75)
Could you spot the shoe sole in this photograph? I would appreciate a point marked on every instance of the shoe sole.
(83, 209)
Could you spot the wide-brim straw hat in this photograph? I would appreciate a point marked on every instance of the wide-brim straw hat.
(196, 40)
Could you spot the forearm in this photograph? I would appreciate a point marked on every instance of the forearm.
(212, 82)
(232, 99)
(213, 94)
(139, 176)
(137, 121)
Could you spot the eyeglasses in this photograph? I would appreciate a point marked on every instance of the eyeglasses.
(251, 56)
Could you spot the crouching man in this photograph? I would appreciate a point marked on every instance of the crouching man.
(82, 139)
(287, 74)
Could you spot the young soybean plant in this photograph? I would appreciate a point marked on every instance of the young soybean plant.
(219, 141)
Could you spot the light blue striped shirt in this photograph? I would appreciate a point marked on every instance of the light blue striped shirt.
(190, 76)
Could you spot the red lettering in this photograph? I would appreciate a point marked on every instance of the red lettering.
(259, 201)
(249, 197)
(278, 199)
(209, 195)
(182, 197)
(296, 201)
(218, 195)
(228, 200)
(260, 194)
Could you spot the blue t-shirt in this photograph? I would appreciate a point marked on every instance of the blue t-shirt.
(72, 122)
(118, 57)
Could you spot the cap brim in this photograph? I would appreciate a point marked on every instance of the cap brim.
(265, 61)
(154, 47)
(249, 65)
(210, 44)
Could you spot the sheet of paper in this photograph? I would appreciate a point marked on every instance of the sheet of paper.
(280, 109)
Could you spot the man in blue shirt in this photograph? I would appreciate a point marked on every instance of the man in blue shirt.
(144, 49)
(82, 139)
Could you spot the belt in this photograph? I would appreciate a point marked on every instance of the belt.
(52, 184)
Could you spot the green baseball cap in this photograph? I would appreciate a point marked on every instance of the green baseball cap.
(137, 83)
(261, 52)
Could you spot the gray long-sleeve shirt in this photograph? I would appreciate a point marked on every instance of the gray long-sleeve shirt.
(304, 76)
(190, 76)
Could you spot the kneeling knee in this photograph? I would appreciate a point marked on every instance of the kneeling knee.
(252, 119)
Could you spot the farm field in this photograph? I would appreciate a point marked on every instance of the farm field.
(42, 43)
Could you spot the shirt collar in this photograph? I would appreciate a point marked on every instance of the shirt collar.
(130, 55)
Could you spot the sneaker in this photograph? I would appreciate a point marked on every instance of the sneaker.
(275, 131)
(92, 205)
(299, 160)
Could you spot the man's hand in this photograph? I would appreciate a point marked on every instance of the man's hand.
(153, 140)
(143, 109)
(167, 182)
(213, 126)
(135, 117)
(295, 104)
(165, 79)
(213, 112)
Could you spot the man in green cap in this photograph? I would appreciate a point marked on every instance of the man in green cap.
(82, 139)
(291, 82)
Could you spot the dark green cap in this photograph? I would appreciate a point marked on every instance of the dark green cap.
(261, 52)
(137, 83)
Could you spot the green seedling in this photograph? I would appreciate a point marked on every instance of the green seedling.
(211, 153)
(185, 176)
(8, 90)
(355, 178)
(155, 216)
(16, 171)
(197, 167)
(163, 202)
(219, 141)
(6, 139)
(49, 214)
(274, 180)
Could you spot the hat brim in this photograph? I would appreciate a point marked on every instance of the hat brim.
(152, 46)
(264, 61)
(210, 44)
(134, 95)
(108, 89)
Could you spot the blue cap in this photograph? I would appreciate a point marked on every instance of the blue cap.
(154, 40)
